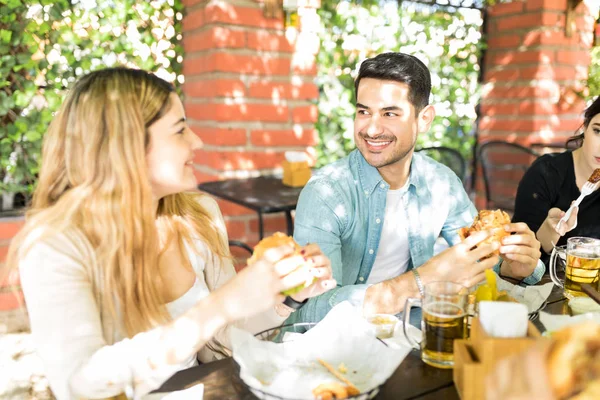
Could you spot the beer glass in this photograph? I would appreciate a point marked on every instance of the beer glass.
(444, 313)
(582, 265)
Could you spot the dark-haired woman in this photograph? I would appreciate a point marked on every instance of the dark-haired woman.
(554, 181)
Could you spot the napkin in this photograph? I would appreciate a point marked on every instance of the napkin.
(296, 156)
(503, 319)
(195, 392)
(553, 322)
(291, 369)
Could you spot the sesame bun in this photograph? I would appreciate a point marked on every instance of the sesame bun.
(276, 240)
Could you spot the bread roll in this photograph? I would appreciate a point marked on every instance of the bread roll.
(276, 240)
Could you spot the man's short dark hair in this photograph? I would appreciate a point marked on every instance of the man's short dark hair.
(402, 68)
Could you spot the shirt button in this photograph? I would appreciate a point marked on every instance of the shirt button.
(366, 192)
(361, 279)
(382, 186)
(378, 220)
(371, 251)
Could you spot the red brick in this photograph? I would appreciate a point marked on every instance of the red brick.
(569, 125)
(228, 62)
(558, 5)
(305, 114)
(528, 56)
(547, 37)
(221, 136)
(215, 88)
(535, 108)
(504, 41)
(537, 72)
(229, 14)
(9, 229)
(232, 209)
(515, 7)
(266, 41)
(189, 3)
(583, 23)
(288, 137)
(271, 224)
(513, 125)
(11, 300)
(533, 20)
(284, 90)
(235, 228)
(305, 68)
(248, 160)
(502, 75)
(480, 202)
(193, 20)
(518, 92)
(3, 253)
(573, 57)
(499, 109)
(214, 37)
(238, 112)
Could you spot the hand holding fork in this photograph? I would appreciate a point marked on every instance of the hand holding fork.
(587, 189)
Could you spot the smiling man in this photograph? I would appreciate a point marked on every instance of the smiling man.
(378, 212)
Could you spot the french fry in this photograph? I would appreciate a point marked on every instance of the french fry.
(333, 371)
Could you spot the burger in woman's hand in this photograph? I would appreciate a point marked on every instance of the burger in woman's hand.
(276, 240)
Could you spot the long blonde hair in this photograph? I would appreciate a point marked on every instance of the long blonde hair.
(94, 180)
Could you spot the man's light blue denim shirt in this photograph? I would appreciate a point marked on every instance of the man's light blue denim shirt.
(342, 209)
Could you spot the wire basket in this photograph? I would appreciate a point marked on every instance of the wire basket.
(276, 335)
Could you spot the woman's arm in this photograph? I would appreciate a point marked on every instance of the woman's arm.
(68, 332)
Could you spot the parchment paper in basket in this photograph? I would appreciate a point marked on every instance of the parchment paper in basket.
(291, 369)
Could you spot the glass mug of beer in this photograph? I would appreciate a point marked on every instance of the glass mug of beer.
(444, 313)
(582, 266)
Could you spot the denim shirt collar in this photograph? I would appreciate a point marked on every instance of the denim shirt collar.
(370, 177)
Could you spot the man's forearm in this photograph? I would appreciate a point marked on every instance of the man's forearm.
(388, 297)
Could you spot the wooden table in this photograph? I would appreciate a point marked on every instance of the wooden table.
(412, 380)
(263, 194)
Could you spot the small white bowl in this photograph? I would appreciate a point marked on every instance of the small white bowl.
(583, 305)
(384, 324)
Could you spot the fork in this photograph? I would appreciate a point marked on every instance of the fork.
(587, 189)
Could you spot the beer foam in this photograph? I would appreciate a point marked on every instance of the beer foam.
(438, 309)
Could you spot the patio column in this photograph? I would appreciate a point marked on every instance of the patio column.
(249, 93)
(537, 57)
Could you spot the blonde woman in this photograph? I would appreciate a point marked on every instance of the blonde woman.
(126, 276)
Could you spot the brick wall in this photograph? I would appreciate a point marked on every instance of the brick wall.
(249, 94)
(533, 72)
(12, 317)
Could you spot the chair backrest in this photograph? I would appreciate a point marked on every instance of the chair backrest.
(449, 157)
(503, 165)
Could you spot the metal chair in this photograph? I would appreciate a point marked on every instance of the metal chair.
(449, 157)
(503, 165)
(237, 243)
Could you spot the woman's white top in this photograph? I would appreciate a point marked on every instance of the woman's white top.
(76, 339)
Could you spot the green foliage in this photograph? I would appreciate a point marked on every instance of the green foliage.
(46, 45)
(593, 81)
(447, 40)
